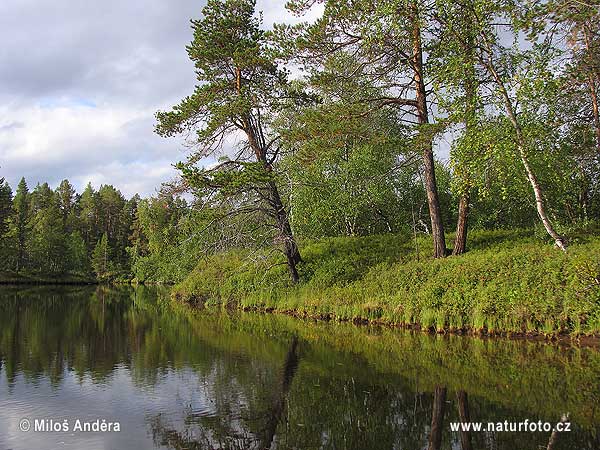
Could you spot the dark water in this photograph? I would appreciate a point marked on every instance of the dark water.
(176, 379)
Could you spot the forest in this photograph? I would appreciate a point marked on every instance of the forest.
(326, 151)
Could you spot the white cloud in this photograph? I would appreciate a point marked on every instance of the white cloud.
(80, 83)
(104, 145)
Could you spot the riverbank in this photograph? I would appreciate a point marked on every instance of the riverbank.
(510, 282)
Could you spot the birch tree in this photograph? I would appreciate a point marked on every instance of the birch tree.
(513, 67)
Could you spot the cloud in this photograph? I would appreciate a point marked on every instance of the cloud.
(80, 82)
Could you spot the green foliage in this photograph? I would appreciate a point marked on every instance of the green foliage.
(163, 246)
(343, 172)
(5, 206)
(77, 254)
(46, 246)
(52, 234)
(102, 258)
(235, 75)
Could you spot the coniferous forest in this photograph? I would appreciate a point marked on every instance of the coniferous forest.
(313, 165)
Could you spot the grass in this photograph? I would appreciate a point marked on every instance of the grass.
(508, 282)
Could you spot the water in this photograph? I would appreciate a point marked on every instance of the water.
(173, 378)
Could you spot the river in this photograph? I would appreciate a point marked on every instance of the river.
(168, 377)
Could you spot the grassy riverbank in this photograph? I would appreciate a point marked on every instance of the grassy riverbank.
(509, 282)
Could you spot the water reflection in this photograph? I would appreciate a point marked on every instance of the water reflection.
(183, 380)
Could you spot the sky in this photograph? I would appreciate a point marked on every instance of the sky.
(80, 82)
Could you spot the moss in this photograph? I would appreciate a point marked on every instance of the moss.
(507, 282)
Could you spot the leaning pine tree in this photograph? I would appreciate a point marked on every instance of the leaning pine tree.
(239, 89)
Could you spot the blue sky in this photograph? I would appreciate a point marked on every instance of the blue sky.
(80, 82)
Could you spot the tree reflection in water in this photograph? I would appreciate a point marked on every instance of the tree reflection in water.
(235, 436)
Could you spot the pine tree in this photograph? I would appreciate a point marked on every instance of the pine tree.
(6, 243)
(21, 215)
(88, 217)
(240, 89)
(66, 198)
(78, 260)
(47, 242)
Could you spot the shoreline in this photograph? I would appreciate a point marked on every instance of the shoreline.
(562, 339)
(34, 282)
(522, 289)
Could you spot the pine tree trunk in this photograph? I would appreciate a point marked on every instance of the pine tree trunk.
(290, 248)
(437, 226)
(593, 78)
(291, 251)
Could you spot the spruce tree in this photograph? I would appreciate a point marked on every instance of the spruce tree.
(101, 257)
(5, 206)
(21, 215)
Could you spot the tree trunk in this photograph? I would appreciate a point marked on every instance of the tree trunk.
(464, 416)
(539, 199)
(460, 241)
(596, 112)
(593, 78)
(290, 248)
(437, 226)
(437, 418)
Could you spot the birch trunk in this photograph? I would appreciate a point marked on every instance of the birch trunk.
(522, 148)
(460, 241)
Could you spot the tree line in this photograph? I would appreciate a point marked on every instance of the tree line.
(328, 128)
(58, 231)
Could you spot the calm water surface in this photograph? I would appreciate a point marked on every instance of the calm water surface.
(177, 379)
